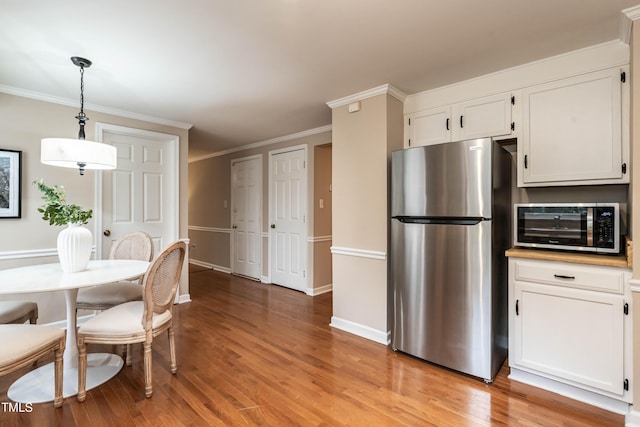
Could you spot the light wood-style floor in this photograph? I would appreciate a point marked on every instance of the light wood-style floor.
(254, 354)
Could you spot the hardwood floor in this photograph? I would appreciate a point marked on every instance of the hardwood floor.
(254, 354)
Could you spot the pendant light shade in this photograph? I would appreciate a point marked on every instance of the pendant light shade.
(78, 153)
(75, 153)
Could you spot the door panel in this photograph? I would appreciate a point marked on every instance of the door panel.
(452, 179)
(572, 334)
(246, 178)
(136, 196)
(152, 197)
(288, 218)
(442, 294)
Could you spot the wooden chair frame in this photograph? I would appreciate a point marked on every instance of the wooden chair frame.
(31, 316)
(120, 250)
(55, 346)
(157, 299)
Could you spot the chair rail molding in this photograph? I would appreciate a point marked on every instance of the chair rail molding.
(209, 229)
(33, 253)
(362, 253)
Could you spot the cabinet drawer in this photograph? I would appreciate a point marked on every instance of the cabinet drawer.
(570, 275)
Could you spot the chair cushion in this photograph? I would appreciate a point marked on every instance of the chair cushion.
(12, 310)
(122, 320)
(113, 293)
(21, 341)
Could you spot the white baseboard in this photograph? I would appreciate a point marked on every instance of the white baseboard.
(319, 290)
(595, 399)
(363, 331)
(263, 279)
(632, 419)
(184, 298)
(205, 264)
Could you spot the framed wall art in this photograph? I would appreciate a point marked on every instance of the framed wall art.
(10, 183)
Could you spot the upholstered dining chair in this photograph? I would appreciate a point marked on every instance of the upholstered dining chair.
(138, 246)
(18, 312)
(138, 321)
(24, 344)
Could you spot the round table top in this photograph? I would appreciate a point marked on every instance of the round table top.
(50, 277)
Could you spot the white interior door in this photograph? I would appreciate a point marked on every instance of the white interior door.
(141, 194)
(288, 234)
(246, 207)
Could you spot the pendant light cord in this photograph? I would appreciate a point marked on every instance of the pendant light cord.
(82, 118)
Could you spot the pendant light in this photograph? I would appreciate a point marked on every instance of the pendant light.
(80, 153)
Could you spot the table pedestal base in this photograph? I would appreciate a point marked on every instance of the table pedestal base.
(38, 385)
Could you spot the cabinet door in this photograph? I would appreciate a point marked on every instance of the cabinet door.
(428, 127)
(570, 335)
(572, 130)
(479, 118)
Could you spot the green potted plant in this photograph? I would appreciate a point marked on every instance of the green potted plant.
(74, 241)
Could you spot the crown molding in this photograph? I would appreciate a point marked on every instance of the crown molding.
(92, 107)
(380, 90)
(627, 17)
(284, 138)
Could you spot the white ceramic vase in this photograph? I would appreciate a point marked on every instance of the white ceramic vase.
(74, 248)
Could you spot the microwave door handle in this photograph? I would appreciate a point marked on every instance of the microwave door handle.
(589, 227)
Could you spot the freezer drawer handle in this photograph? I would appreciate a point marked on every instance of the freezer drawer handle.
(562, 276)
(440, 220)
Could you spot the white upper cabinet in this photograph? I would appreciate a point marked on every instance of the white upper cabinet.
(428, 127)
(572, 132)
(478, 118)
(570, 117)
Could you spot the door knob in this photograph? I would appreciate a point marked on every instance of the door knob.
(273, 226)
(107, 233)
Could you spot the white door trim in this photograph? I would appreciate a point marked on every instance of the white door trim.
(172, 183)
(305, 203)
(232, 219)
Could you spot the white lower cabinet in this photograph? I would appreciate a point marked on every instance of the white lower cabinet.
(570, 330)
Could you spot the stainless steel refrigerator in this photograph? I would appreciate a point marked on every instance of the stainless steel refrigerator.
(450, 227)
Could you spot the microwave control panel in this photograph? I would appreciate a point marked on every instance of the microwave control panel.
(605, 228)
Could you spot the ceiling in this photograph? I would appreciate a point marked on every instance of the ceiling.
(245, 71)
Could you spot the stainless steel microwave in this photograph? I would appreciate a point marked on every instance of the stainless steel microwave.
(589, 227)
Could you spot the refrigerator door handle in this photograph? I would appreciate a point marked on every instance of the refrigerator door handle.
(456, 221)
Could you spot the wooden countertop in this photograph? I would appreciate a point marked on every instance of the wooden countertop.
(578, 258)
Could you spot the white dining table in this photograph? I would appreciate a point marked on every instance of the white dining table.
(38, 386)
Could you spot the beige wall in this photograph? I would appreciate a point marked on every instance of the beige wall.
(209, 187)
(322, 263)
(209, 219)
(322, 190)
(362, 142)
(24, 122)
